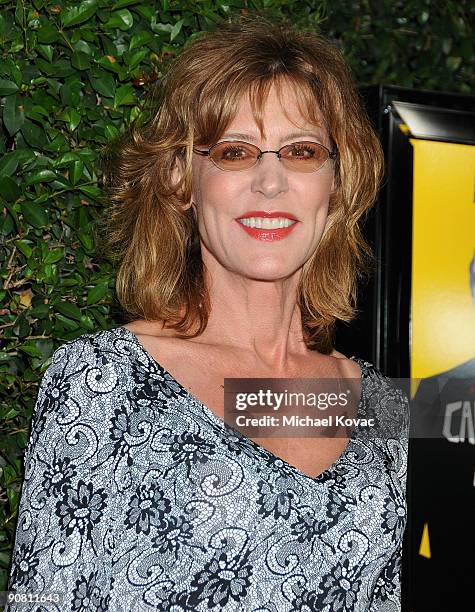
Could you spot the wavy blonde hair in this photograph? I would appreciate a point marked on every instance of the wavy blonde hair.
(150, 230)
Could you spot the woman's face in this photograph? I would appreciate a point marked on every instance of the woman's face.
(221, 198)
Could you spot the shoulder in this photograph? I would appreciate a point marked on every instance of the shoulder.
(86, 346)
(387, 399)
(104, 349)
(150, 328)
(83, 374)
(90, 361)
(383, 396)
(358, 365)
(350, 368)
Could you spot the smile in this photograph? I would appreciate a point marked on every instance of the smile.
(266, 229)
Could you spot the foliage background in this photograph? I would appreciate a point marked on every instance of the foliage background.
(73, 75)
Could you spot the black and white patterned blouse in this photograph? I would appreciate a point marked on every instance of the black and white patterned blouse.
(138, 497)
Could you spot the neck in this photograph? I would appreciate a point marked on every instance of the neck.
(255, 316)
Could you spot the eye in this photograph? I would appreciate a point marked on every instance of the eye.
(304, 151)
(231, 152)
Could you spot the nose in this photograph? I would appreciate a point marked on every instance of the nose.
(270, 176)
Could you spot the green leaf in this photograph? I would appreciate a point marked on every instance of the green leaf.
(7, 87)
(43, 176)
(176, 29)
(68, 309)
(453, 62)
(12, 210)
(104, 85)
(124, 96)
(147, 12)
(80, 60)
(59, 143)
(34, 135)
(71, 95)
(162, 28)
(74, 119)
(69, 282)
(16, 75)
(110, 63)
(86, 241)
(62, 68)
(80, 13)
(47, 34)
(54, 256)
(99, 318)
(121, 3)
(134, 59)
(34, 214)
(111, 131)
(140, 39)
(86, 322)
(97, 293)
(46, 51)
(6, 224)
(45, 67)
(38, 112)
(10, 161)
(84, 218)
(24, 246)
(67, 322)
(71, 117)
(20, 14)
(75, 172)
(9, 190)
(31, 349)
(13, 497)
(13, 115)
(41, 311)
(83, 46)
(10, 414)
(120, 19)
(65, 160)
(91, 191)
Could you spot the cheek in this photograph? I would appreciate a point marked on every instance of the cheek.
(317, 195)
(215, 193)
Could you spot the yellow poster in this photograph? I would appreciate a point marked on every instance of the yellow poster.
(443, 299)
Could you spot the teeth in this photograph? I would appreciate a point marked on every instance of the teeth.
(264, 223)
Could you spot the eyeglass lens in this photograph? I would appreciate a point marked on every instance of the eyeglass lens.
(299, 156)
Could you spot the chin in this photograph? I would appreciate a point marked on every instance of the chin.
(269, 273)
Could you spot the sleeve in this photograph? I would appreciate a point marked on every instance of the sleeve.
(398, 430)
(65, 535)
(389, 405)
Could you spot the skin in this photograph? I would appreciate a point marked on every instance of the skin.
(253, 283)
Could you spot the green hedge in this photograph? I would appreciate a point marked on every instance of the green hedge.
(73, 75)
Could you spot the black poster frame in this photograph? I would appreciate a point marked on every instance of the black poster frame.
(381, 333)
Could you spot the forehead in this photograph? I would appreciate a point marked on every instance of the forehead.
(279, 110)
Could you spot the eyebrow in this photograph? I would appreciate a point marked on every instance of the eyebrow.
(252, 138)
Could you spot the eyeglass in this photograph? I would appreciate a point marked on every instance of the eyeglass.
(302, 156)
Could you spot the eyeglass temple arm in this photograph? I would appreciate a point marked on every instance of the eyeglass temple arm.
(200, 152)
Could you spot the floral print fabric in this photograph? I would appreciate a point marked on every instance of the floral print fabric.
(137, 497)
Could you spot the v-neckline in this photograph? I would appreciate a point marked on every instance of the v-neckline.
(261, 450)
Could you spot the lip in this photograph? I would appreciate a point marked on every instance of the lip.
(267, 215)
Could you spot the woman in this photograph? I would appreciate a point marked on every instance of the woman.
(137, 495)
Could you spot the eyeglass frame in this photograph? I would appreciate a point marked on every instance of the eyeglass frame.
(332, 154)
